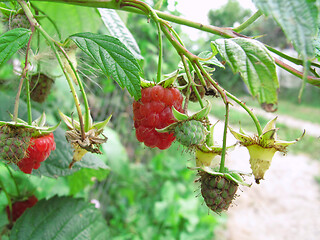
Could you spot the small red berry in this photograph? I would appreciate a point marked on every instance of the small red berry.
(18, 208)
(38, 151)
(154, 110)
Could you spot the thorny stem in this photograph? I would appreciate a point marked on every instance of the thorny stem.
(160, 49)
(224, 141)
(195, 61)
(289, 58)
(50, 20)
(135, 7)
(28, 100)
(84, 96)
(212, 82)
(190, 82)
(51, 42)
(245, 107)
(312, 80)
(148, 10)
(224, 94)
(304, 79)
(24, 77)
(248, 22)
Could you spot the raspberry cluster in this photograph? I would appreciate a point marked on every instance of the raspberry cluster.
(154, 110)
(38, 151)
(19, 207)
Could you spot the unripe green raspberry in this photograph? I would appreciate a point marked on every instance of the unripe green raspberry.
(190, 133)
(217, 191)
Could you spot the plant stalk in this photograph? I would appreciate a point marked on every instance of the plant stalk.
(84, 96)
(224, 141)
(248, 22)
(23, 78)
(51, 42)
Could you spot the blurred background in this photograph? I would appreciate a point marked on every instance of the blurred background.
(151, 194)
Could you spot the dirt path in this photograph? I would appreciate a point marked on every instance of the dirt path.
(285, 206)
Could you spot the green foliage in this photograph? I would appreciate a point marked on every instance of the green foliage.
(63, 212)
(118, 29)
(228, 14)
(85, 178)
(144, 194)
(113, 58)
(83, 19)
(153, 199)
(297, 18)
(146, 37)
(255, 64)
(11, 42)
(58, 162)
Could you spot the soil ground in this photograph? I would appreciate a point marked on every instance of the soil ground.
(284, 206)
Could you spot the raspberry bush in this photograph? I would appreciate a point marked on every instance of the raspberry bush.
(65, 56)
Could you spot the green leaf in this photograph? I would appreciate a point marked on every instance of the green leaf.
(210, 59)
(81, 19)
(118, 29)
(255, 64)
(85, 177)
(12, 41)
(114, 59)
(60, 218)
(297, 18)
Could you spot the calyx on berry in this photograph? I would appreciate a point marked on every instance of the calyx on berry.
(207, 154)
(219, 189)
(36, 128)
(26, 145)
(190, 131)
(88, 141)
(262, 148)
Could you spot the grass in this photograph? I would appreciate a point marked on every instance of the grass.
(289, 108)
(309, 145)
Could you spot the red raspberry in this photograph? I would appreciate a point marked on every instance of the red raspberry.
(38, 151)
(18, 208)
(154, 110)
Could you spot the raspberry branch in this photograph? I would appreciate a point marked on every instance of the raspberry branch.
(52, 44)
(22, 79)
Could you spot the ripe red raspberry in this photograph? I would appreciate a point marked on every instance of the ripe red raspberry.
(154, 110)
(38, 151)
(18, 208)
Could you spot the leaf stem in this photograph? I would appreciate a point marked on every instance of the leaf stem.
(84, 96)
(248, 22)
(289, 58)
(310, 79)
(23, 78)
(211, 81)
(160, 51)
(245, 107)
(224, 141)
(304, 79)
(51, 42)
